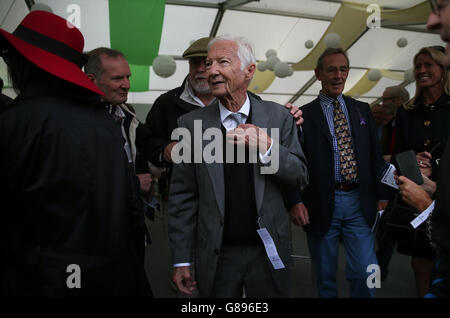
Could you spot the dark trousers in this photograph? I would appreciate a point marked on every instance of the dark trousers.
(245, 271)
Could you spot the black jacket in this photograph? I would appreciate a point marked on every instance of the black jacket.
(66, 196)
(420, 129)
(440, 225)
(4, 100)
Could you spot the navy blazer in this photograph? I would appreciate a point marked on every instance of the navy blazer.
(317, 145)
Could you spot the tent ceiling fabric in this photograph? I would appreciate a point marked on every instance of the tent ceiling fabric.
(268, 24)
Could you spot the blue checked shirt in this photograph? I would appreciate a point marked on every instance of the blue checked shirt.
(327, 107)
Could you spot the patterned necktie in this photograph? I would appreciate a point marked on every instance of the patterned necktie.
(345, 144)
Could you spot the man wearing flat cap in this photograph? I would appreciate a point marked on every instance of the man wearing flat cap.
(192, 94)
(69, 211)
(161, 120)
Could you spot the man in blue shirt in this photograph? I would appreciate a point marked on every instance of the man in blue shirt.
(341, 146)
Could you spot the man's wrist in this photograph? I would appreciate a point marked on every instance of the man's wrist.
(424, 204)
(265, 158)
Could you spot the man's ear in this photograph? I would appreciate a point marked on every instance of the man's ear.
(91, 77)
(317, 73)
(250, 71)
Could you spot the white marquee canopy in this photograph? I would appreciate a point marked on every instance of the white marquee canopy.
(282, 25)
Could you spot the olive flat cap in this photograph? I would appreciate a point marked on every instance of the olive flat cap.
(198, 48)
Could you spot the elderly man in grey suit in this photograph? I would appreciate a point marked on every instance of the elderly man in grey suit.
(228, 217)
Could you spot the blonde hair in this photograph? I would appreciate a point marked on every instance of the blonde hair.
(438, 57)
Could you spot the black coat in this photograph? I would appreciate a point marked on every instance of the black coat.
(440, 229)
(317, 145)
(4, 100)
(66, 196)
(420, 129)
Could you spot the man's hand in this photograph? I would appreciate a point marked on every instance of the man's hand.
(167, 154)
(299, 214)
(424, 163)
(182, 278)
(250, 136)
(428, 185)
(413, 194)
(296, 113)
(382, 205)
(145, 180)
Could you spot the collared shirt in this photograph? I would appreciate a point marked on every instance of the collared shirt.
(188, 96)
(229, 123)
(327, 107)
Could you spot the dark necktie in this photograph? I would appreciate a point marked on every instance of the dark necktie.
(347, 159)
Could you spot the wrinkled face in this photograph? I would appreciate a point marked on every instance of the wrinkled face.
(333, 74)
(114, 82)
(198, 76)
(223, 65)
(427, 72)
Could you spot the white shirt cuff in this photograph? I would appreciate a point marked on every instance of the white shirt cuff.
(182, 264)
(265, 159)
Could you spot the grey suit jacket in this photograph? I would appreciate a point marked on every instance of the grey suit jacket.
(196, 200)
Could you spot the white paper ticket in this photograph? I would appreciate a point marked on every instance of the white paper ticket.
(388, 177)
(271, 249)
(422, 216)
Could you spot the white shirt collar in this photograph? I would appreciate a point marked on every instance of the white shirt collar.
(245, 109)
(119, 112)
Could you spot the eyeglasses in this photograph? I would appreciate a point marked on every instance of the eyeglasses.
(437, 6)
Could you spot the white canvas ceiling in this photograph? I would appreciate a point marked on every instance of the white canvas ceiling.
(268, 24)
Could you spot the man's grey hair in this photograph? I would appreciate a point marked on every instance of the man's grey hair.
(398, 91)
(245, 50)
(94, 64)
(328, 52)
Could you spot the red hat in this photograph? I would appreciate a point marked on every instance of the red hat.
(54, 45)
